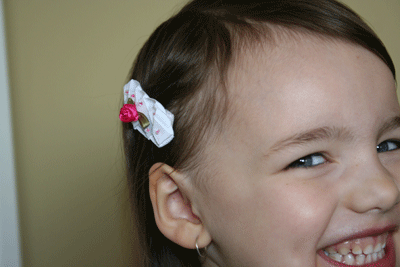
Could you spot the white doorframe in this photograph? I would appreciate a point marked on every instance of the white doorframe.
(10, 255)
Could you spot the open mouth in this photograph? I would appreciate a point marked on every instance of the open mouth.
(372, 251)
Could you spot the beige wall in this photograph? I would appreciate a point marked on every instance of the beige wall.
(68, 61)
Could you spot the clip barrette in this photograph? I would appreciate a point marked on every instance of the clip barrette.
(147, 115)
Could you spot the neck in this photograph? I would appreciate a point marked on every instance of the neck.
(209, 263)
(212, 258)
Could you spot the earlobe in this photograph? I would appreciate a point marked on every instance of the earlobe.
(173, 212)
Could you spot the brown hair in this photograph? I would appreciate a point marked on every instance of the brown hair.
(183, 65)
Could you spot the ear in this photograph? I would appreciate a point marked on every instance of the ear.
(169, 191)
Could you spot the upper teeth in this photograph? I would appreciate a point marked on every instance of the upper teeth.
(358, 251)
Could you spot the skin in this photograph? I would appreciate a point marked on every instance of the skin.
(257, 210)
(397, 241)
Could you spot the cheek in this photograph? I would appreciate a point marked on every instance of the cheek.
(271, 218)
(391, 162)
(397, 242)
(299, 212)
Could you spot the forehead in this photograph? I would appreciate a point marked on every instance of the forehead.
(276, 91)
(299, 76)
(296, 56)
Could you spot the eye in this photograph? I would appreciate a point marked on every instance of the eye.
(309, 161)
(388, 145)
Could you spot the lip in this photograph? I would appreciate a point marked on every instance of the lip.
(365, 233)
(389, 260)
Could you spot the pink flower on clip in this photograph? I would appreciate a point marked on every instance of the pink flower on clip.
(128, 113)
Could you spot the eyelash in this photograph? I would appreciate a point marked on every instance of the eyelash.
(304, 162)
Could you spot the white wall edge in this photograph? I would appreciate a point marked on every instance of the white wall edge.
(10, 255)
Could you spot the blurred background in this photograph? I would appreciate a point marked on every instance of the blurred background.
(67, 64)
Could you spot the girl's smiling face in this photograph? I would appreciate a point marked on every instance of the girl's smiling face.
(310, 158)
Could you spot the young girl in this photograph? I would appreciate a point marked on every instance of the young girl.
(264, 133)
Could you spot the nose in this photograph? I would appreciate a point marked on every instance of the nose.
(373, 187)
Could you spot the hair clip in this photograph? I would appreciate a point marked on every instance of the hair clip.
(147, 115)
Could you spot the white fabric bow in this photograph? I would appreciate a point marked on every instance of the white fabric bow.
(160, 130)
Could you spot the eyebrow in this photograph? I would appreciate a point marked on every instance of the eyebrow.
(313, 135)
(328, 133)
